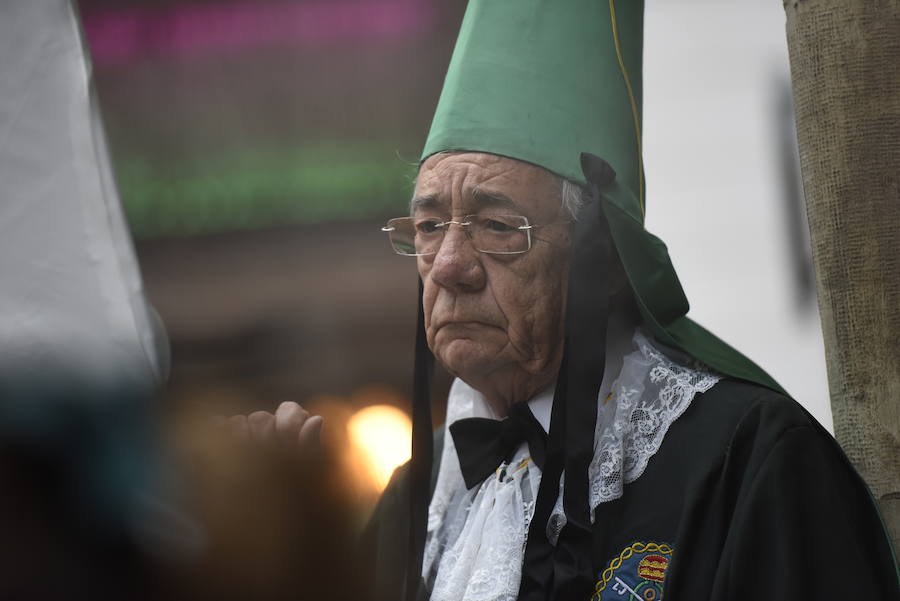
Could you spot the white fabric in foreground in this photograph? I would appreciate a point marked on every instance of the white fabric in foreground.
(476, 538)
(72, 303)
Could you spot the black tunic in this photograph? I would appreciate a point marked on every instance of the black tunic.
(747, 498)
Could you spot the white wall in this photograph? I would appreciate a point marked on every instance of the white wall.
(713, 77)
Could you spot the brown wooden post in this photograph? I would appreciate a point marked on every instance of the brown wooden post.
(845, 67)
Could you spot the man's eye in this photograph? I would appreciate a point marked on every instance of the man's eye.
(497, 226)
(428, 226)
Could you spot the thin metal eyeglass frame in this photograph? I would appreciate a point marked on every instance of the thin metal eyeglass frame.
(464, 224)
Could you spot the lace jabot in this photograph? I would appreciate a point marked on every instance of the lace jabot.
(476, 538)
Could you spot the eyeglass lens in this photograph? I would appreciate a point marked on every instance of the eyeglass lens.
(498, 234)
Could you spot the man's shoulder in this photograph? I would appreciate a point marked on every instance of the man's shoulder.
(750, 406)
(385, 537)
(735, 418)
(741, 394)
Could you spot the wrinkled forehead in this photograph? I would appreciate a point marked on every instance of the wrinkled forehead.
(473, 181)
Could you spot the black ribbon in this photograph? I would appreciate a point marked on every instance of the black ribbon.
(483, 444)
(566, 570)
(420, 465)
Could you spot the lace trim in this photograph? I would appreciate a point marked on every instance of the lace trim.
(651, 392)
(645, 408)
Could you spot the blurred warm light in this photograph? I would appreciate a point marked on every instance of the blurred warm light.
(380, 435)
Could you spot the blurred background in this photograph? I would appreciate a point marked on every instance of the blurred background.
(260, 144)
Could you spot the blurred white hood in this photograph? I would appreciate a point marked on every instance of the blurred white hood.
(71, 296)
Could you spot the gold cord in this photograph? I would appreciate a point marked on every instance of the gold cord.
(634, 111)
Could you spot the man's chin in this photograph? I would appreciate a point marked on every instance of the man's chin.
(464, 356)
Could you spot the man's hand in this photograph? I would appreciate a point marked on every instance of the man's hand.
(291, 424)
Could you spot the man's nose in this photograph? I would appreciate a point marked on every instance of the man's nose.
(457, 265)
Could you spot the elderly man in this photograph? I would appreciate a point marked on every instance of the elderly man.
(701, 485)
(598, 444)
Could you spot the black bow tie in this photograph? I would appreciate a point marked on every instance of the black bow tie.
(483, 444)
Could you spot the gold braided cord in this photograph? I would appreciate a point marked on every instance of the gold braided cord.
(626, 553)
(518, 467)
(634, 111)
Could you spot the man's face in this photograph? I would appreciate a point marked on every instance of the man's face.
(493, 316)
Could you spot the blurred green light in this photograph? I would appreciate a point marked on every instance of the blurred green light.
(252, 189)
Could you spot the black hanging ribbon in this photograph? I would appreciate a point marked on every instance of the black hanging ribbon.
(566, 571)
(420, 465)
(483, 444)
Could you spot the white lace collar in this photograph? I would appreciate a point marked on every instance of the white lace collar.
(476, 538)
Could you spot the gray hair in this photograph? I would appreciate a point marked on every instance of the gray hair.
(573, 198)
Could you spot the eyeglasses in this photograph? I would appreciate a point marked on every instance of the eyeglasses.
(493, 234)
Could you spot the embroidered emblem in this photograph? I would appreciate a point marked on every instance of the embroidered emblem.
(637, 574)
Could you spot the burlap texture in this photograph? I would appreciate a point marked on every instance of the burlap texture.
(845, 65)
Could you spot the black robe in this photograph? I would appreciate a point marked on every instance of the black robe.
(748, 497)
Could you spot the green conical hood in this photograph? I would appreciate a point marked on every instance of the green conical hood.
(544, 81)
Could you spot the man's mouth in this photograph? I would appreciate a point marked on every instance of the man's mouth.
(465, 323)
